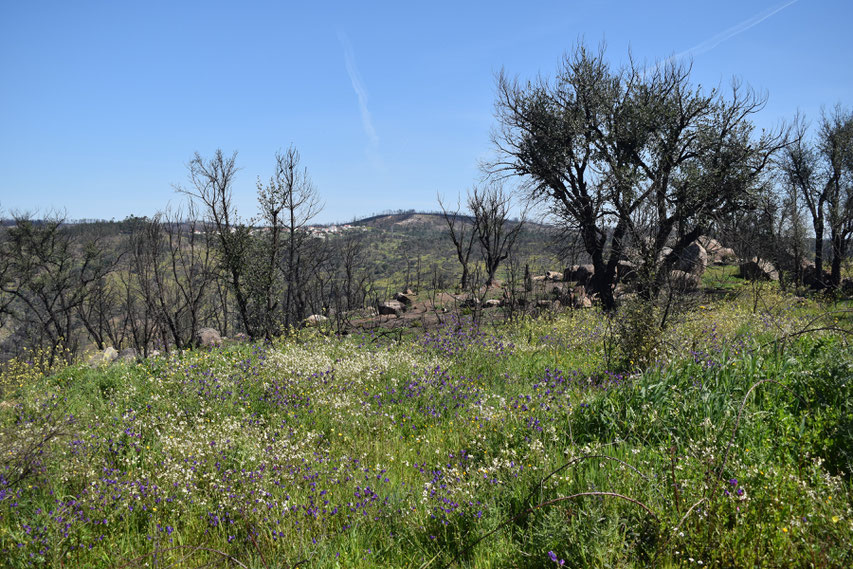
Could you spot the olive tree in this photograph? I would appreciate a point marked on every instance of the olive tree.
(634, 159)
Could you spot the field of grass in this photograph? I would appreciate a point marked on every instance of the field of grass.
(725, 441)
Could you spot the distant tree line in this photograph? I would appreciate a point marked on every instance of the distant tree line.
(152, 285)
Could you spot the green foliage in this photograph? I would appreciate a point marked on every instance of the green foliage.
(639, 333)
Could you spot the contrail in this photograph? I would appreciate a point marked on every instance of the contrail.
(716, 40)
(360, 91)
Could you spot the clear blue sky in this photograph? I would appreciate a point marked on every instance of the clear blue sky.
(103, 103)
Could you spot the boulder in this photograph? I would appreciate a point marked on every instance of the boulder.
(579, 273)
(726, 255)
(544, 303)
(553, 276)
(717, 253)
(390, 307)
(693, 260)
(208, 338)
(518, 301)
(579, 298)
(404, 298)
(684, 281)
(314, 320)
(758, 269)
(108, 356)
(128, 355)
(492, 303)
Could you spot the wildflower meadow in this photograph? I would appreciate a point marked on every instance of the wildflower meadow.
(539, 443)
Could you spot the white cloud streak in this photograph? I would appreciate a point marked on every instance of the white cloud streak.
(360, 90)
(731, 32)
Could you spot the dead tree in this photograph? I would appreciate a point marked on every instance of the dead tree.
(50, 274)
(288, 202)
(211, 184)
(822, 172)
(496, 234)
(462, 234)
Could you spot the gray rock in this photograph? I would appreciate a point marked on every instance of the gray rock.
(314, 320)
(757, 269)
(726, 255)
(128, 355)
(208, 338)
(391, 307)
(553, 276)
(580, 274)
(105, 358)
(579, 297)
(717, 253)
(693, 260)
(404, 298)
(492, 303)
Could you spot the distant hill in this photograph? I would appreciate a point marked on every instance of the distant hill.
(404, 218)
(420, 219)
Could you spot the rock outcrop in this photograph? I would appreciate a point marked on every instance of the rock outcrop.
(758, 269)
(104, 358)
(391, 307)
(580, 274)
(208, 338)
(314, 320)
(717, 253)
(693, 260)
(405, 298)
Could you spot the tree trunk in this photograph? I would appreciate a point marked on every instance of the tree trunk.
(837, 256)
(818, 249)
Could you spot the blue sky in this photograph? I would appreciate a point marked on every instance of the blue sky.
(103, 103)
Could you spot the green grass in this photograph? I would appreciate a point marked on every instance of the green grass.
(479, 448)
